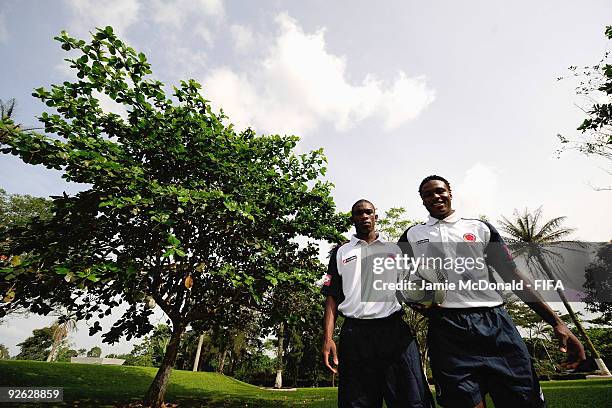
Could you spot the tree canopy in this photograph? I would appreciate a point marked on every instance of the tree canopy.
(596, 87)
(182, 211)
(18, 209)
(37, 346)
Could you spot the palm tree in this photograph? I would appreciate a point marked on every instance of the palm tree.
(7, 122)
(64, 325)
(7, 108)
(540, 237)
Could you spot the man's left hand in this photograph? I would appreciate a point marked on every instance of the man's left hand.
(568, 343)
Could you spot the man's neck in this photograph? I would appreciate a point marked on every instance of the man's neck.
(369, 237)
(441, 217)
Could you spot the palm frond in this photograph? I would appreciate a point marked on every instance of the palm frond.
(514, 232)
(7, 108)
(552, 231)
(536, 243)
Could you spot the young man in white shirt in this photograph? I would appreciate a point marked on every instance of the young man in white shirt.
(474, 347)
(378, 358)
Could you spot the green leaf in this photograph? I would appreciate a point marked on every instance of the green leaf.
(173, 240)
(60, 270)
(15, 260)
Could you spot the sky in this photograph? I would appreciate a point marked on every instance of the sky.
(393, 93)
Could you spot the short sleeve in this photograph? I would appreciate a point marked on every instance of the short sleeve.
(497, 253)
(332, 284)
(405, 245)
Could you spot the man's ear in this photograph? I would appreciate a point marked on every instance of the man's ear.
(375, 216)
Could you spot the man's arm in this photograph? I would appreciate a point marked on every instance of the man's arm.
(329, 323)
(334, 295)
(500, 258)
(568, 342)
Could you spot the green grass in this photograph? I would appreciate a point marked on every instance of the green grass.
(108, 386)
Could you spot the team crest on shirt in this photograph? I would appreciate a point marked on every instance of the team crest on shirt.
(349, 259)
(469, 237)
(327, 280)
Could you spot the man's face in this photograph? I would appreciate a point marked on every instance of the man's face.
(437, 198)
(364, 218)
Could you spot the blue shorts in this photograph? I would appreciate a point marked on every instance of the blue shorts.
(478, 351)
(379, 360)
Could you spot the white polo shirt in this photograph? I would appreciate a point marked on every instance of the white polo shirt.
(456, 239)
(351, 286)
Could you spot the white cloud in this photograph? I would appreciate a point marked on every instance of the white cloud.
(183, 62)
(174, 13)
(243, 38)
(88, 14)
(110, 106)
(405, 100)
(4, 36)
(299, 84)
(202, 31)
(476, 194)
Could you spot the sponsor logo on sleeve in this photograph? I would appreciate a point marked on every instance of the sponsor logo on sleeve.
(349, 259)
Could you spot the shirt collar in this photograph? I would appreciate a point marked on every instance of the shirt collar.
(354, 240)
(454, 217)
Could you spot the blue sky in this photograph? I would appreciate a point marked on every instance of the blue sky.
(392, 92)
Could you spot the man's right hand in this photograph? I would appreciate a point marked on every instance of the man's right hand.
(329, 347)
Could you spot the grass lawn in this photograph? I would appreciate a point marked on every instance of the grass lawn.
(108, 386)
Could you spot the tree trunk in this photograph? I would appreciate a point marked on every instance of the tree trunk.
(548, 355)
(278, 383)
(53, 352)
(222, 360)
(155, 394)
(196, 361)
(233, 359)
(600, 363)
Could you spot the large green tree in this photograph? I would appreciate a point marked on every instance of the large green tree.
(94, 352)
(37, 346)
(596, 128)
(18, 209)
(598, 284)
(180, 210)
(285, 306)
(4, 352)
(530, 236)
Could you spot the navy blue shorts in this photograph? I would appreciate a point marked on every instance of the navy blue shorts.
(478, 351)
(380, 359)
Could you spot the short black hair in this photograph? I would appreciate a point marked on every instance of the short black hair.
(433, 177)
(362, 200)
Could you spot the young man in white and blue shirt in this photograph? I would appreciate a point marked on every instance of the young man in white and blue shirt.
(474, 347)
(377, 358)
